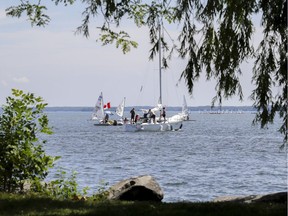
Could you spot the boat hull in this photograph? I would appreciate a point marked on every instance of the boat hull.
(151, 127)
(109, 123)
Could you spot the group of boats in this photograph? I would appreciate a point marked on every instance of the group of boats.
(101, 116)
(174, 122)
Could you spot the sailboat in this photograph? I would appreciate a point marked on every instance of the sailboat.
(173, 123)
(102, 118)
(120, 112)
(184, 115)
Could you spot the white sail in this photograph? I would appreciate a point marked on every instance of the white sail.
(120, 108)
(184, 115)
(157, 108)
(184, 106)
(99, 110)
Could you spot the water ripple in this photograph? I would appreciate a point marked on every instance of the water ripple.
(213, 156)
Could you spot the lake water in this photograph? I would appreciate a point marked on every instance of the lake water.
(214, 155)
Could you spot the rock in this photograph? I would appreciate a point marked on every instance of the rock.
(280, 197)
(141, 188)
(240, 199)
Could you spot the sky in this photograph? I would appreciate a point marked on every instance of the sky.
(70, 70)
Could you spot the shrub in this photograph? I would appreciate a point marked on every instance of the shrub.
(62, 187)
(22, 157)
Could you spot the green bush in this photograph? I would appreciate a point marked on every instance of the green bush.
(102, 192)
(62, 187)
(22, 157)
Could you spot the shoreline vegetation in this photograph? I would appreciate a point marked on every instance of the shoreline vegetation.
(32, 204)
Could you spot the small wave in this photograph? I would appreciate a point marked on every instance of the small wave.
(175, 183)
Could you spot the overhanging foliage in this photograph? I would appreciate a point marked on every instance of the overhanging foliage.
(225, 28)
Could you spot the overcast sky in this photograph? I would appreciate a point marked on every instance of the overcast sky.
(70, 70)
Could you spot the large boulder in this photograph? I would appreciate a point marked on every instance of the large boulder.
(141, 188)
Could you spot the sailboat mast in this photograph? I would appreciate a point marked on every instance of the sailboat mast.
(160, 61)
(102, 106)
(123, 107)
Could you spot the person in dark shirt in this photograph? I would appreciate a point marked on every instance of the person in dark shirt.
(163, 114)
(152, 115)
(145, 117)
(132, 112)
(106, 118)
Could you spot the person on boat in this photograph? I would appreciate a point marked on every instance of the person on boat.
(106, 118)
(163, 113)
(152, 115)
(132, 112)
(125, 120)
(145, 117)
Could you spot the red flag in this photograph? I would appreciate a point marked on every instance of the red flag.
(107, 106)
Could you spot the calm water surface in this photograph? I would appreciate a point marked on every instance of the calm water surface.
(215, 155)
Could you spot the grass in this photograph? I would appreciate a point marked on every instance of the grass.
(36, 205)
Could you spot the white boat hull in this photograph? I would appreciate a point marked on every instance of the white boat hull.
(151, 127)
(181, 116)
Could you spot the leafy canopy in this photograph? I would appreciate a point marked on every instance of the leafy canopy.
(225, 29)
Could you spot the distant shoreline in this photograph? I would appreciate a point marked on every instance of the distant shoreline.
(191, 109)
